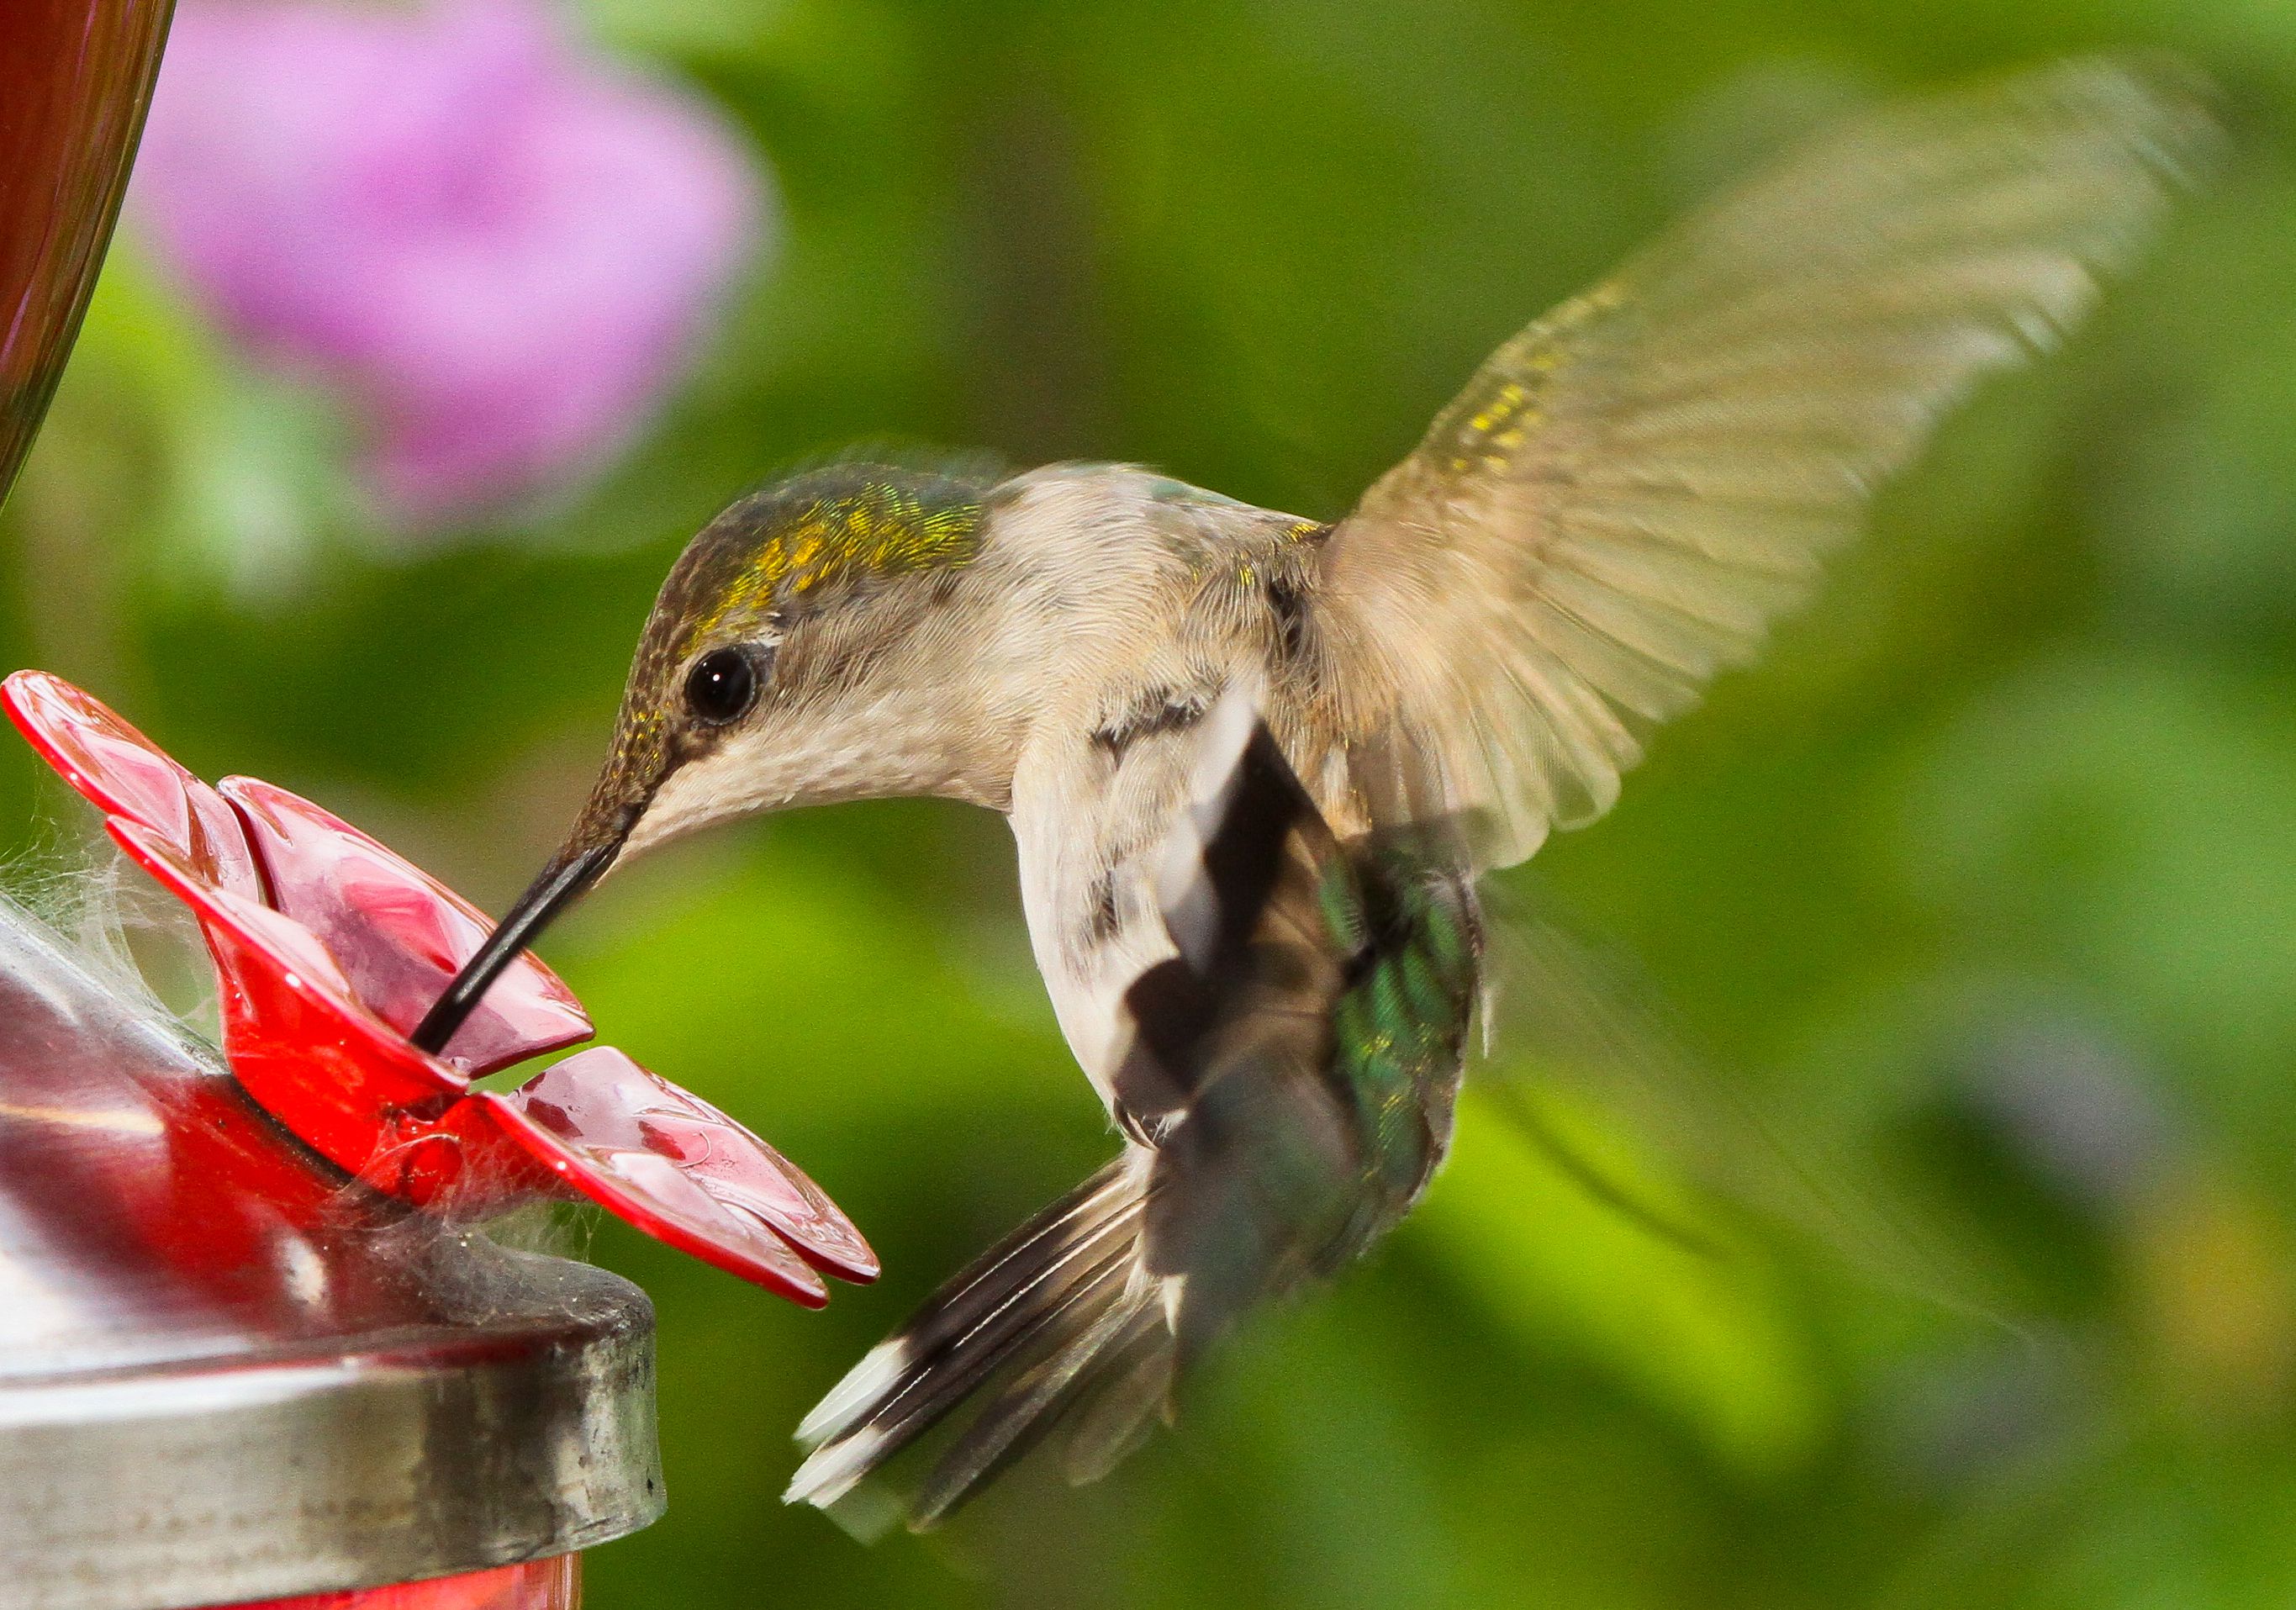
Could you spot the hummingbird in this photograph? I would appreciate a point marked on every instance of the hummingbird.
(1257, 763)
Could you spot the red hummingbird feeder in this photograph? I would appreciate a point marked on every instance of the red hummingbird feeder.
(328, 949)
(327, 952)
(249, 1352)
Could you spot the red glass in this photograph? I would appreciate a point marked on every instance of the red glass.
(180, 1203)
(75, 80)
(553, 1584)
(328, 947)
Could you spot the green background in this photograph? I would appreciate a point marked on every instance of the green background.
(1929, 1018)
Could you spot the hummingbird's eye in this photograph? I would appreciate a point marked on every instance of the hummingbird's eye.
(721, 685)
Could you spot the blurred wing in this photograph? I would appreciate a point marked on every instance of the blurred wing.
(1632, 490)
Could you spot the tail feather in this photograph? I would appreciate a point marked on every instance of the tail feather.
(1037, 1398)
(1141, 1373)
(898, 1390)
(926, 1393)
(1027, 1300)
(1035, 1262)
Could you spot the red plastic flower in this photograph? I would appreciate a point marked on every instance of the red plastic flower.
(328, 949)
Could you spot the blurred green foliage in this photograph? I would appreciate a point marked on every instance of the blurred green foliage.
(1953, 1263)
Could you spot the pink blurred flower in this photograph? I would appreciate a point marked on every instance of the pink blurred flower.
(502, 245)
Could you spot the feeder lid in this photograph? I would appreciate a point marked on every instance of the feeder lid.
(228, 1372)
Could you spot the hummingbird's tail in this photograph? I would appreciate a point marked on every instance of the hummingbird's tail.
(1063, 1308)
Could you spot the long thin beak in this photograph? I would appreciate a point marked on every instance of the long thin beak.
(560, 884)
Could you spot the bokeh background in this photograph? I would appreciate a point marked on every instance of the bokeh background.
(1887, 1199)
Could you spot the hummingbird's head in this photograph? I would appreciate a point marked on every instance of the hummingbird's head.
(797, 653)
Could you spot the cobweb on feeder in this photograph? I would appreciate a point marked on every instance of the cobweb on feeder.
(87, 902)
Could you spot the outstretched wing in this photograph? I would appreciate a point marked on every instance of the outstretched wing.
(1287, 1094)
(1632, 490)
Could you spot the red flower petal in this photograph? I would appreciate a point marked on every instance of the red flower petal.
(399, 934)
(126, 774)
(683, 1172)
(294, 1032)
